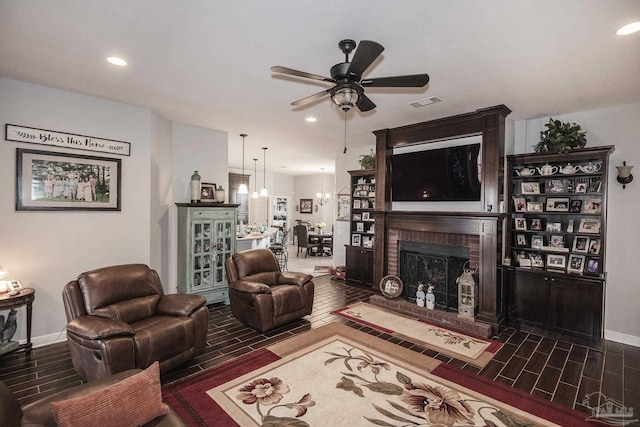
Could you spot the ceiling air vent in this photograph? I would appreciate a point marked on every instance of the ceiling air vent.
(426, 101)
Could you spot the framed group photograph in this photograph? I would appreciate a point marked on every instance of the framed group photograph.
(534, 207)
(519, 204)
(592, 206)
(588, 225)
(537, 242)
(536, 224)
(207, 192)
(556, 261)
(530, 188)
(557, 204)
(580, 244)
(306, 206)
(554, 226)
(520, 224)
(54, 181)
(576, 263)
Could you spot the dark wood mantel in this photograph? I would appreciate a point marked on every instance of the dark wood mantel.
(490, 124)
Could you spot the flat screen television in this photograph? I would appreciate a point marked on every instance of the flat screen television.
(444, 174)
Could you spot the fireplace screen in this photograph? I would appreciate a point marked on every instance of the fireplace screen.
(437, 267)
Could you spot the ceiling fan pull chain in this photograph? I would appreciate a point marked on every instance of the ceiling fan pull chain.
(345, 132)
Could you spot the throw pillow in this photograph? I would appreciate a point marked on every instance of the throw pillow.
(131, 402)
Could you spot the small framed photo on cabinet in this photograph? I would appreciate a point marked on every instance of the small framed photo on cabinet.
(557, 204)
(576, 263)
(537, 242)
(530, 188)
(589, 226)
(519, 204)
(536, 260)
(594, 246)
(520, 223)
(536, 224)
(534, 207)
(580, 244)
(593, 266)
(556, 261)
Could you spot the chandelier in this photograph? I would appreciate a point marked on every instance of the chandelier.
(322, 197)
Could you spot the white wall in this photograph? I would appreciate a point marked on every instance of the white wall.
(619, 126)
(47, 249)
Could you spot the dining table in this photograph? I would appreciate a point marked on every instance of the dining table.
(324, 240)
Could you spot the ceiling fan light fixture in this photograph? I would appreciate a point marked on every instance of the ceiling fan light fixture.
(345, 97)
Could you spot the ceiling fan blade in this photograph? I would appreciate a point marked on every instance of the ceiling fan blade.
(309, 99)
(414, 80)
(366, 53)
(364, 103)
(292, 72)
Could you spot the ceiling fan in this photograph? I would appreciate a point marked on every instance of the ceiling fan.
(348, 91)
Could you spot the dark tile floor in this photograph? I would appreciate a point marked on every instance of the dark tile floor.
(554, 370)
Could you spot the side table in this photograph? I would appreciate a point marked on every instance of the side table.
(24, 297)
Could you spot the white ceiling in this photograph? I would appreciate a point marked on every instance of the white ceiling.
(206, 63)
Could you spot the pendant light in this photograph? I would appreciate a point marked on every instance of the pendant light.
(254, 195)
(264, 192)
(243, 189)
(323, 198)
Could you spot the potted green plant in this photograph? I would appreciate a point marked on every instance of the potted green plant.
(560, 138)
(367, 161)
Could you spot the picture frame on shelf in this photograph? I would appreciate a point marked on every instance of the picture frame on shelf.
(356, 239)
(519, 204)
(357, 217)
(556, 241)
(557, 204)
(537, 242)
(537, 260)
(357, 204)
(49, 181)
(555, 261)
(589, 225)
(360, 227)
(535, 207)
(365, 216)
(593, 266)
(594, 246)
(367, 242)
(554, 227)
(575, 206)
(595, 185)
(520, 223)
(536, 224)
(530, 188)
(580, 244)
(207, 192)
(581, 187)
(576, 263)
(521, 239)
(592, 206)
(560, 185)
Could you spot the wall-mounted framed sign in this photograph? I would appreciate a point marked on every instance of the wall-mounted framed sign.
(66, 140)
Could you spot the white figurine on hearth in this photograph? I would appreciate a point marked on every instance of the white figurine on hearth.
(420, 295)
(431, 298)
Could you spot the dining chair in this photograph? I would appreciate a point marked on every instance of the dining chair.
(302, 236)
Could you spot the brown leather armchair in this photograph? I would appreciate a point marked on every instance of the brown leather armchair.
(119, 319)
(39, 412)
(264, 297)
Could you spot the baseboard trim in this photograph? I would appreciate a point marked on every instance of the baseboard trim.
(43, 340)
(622, 338)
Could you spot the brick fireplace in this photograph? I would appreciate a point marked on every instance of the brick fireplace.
(479, 232)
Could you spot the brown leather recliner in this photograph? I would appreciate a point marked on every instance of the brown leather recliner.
(261, 295)
(119, 319)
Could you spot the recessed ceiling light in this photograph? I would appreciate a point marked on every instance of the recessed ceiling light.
(117, 61)
(311, 119)
(629, 29)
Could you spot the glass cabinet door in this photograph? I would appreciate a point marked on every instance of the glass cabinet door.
(203, 255)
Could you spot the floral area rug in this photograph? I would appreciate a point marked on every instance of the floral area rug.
(474, 350)
(338, 376)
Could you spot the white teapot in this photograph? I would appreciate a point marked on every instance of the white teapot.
(525, 172)
(569, 169)
(591, 167)
(547, 169)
